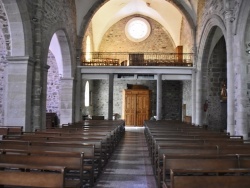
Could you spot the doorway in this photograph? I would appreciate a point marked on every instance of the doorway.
(136, 106)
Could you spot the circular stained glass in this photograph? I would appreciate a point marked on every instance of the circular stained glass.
(137, 29)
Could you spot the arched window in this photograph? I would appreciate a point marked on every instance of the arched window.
(87, 94)
(88, 49)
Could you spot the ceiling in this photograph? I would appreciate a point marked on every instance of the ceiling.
(162, 11)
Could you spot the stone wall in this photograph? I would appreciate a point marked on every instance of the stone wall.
(115, 39)
(52, 16)
(3, 66)
(217, 110)
(100, 95)
(172, 97)
(53, 86)
(247, 39)
(186, 37)
(4, 51)
(171, 100)
(187, 96)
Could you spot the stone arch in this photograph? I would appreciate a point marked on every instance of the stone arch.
(181, 6)
(18, 39)
(19, 29)
(66, 54)
(65, 72)
(205, 47)
(66, 81)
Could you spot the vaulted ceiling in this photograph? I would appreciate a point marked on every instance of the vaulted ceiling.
(168, 13)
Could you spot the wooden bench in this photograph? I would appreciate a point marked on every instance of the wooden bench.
(73, 161)
(198, 178)
(4, 130)
(12, 130)
(193, 162)
(36, 176)
(87, 149)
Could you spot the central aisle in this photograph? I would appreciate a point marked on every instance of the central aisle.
(129, 166)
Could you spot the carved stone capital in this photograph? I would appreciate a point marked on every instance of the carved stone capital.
(229, 15)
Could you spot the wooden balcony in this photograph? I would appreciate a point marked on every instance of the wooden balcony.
(137, 59)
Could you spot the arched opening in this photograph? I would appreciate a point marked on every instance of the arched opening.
(217, 95)
(59, 78)
(214, 71)
(109, 35)
(53, 86)
(54, 61)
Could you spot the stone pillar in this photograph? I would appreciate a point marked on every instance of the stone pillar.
(44, 96)
(198, 105)
(159, 97)
(66, 101)
(78, 94)
(230, 72)
(110, 102)
(19, 92)
(193, 96)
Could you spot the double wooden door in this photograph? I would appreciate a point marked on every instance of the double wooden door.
(136, 106)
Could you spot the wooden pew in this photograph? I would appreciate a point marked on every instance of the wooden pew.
(4, 130)
(73, 161)
(194, 162)
(87, 149)
(12, 130)
(102, 151)
(197, 178)
(36, 176)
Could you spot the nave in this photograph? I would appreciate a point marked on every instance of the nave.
(129, 166)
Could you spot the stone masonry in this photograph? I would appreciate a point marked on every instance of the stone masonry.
(172, 100)
(53, 86)
(216, 114)
(115, 39)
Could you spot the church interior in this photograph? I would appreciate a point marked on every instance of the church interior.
(125, 76)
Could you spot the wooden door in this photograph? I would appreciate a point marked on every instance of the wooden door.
(142, 106)
(130, 109)
(136, 106)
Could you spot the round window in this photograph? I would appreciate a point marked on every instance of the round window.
(137, 29)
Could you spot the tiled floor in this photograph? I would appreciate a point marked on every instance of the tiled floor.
(129, 166)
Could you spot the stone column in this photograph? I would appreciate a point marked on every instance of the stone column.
(159, 97)
(110, 102)
(193, 96)
(198, 105)
(77, 94)
(44, 95)
(230, 72)
(66, 101)
(19, 92)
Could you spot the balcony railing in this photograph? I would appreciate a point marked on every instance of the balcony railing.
(137, 59)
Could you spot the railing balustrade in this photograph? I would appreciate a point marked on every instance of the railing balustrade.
(137, 59)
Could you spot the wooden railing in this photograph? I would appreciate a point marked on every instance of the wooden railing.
(137, 59)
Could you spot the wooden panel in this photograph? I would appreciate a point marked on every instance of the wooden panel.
(142, 108)
(130, 109)
(136, 106)
(179, 50)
